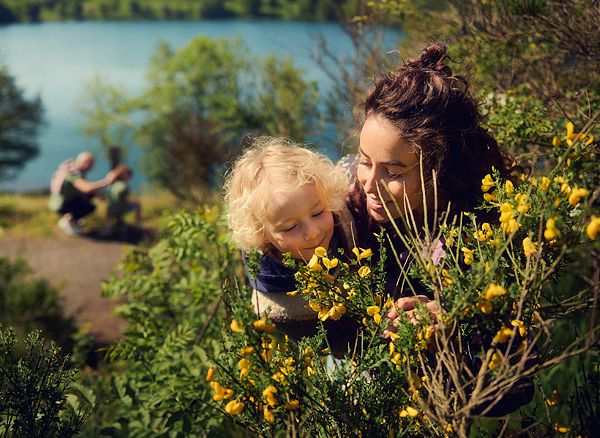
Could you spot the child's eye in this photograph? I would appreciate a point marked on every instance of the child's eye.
(319, 213)
(290, 228)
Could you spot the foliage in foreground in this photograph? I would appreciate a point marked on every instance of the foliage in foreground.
(171, 298)
(38, 397)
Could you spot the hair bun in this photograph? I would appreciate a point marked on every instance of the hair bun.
(432, 57)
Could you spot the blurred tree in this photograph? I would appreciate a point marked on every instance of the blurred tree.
(200, 103)
(20, 119)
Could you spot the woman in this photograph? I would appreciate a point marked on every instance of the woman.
(422, 113)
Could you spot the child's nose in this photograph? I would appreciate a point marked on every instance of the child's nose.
(310, 231)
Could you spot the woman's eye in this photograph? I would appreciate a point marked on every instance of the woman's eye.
(319, 213)
(364, 163)
(395, 175)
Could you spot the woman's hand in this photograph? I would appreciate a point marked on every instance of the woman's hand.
(408, 305)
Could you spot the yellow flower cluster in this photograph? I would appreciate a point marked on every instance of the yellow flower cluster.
(485, 303)
(593, 227)
(485, 234)
(508, 223)
(468, 255)
(551, 232)
(571, 137)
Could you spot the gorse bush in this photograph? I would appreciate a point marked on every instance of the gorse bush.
(432, 374)
(38, 396)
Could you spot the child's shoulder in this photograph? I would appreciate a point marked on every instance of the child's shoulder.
(268, 274)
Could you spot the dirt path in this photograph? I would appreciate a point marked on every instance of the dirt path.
(76, 266)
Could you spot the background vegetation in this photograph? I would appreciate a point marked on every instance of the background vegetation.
(53, 10)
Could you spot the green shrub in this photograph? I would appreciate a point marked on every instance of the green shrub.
(37, 395)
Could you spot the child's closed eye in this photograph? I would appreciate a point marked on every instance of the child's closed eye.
(318, 213)
(289, 228)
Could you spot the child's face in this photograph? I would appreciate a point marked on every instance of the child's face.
(297, 222)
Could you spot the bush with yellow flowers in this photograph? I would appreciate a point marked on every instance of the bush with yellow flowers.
(265, 382)
(435, 374)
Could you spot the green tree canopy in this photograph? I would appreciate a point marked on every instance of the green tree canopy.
(20, 119)
(201, 101)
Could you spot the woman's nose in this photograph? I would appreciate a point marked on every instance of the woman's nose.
(370, 185)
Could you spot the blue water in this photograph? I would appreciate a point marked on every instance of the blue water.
(57, 60)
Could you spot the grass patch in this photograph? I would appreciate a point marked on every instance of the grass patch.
(28, 214)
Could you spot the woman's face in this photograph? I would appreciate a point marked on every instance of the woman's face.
(388, 163)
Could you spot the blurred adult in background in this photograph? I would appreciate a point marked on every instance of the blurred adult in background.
(71, 193)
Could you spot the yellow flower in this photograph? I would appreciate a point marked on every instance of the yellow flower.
(554, 398)
(244, 366)
(506, 212)
(510, 227)
(576, 195)
(485, 234)
(408, 412)
(593, 227)
(446, 279)
(495, 361)
(545, 184)
(262, 325)
(519, 324)
(590, 140)
(364, 271)
(372, 310)
(503, 335)
(570, 131)
(269, 395)
(246, 351)
(561, 428)
(234, 407)
(336, 312)
(361, 253)
(528, 247)
(236, 327)
(292, 405)
(314, 265)
(551, 232)
(487, 183)
(220, 393)
(210, 374)
(269, 417)
(494, 290)
(468, 254)
(555, 141)
(320, 251)
(523, 204)
(509, 187)
(485, 306)
(330, 263)
(491, 197)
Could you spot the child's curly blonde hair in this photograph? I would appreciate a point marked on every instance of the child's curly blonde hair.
(271, 165)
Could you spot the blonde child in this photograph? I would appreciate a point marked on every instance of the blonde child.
(284, 198)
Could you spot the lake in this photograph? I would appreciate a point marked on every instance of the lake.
(57, 60)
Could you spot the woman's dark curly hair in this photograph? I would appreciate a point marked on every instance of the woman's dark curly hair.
(434, 111)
